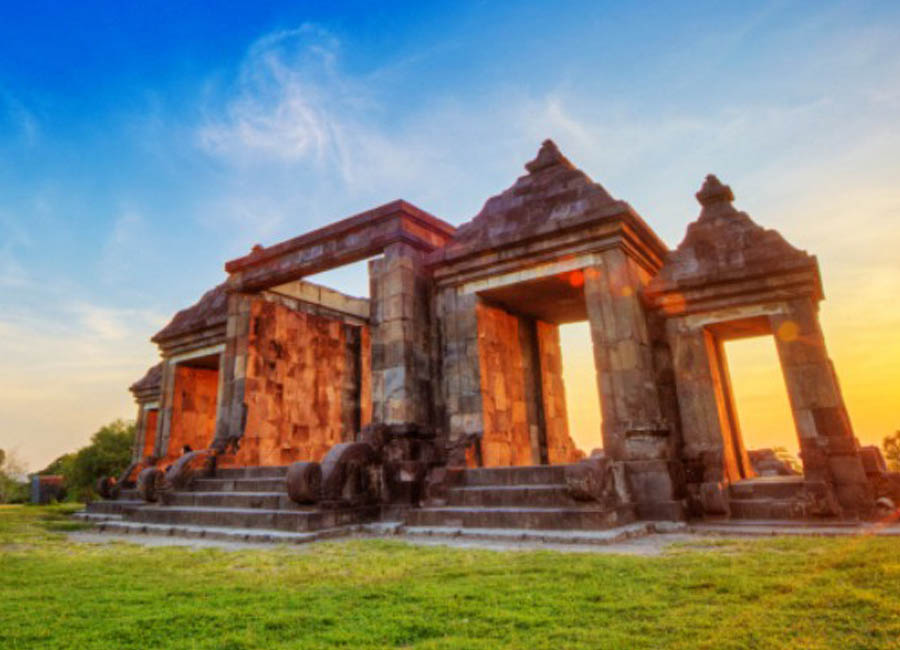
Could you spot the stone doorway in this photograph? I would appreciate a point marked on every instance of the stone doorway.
(763, 407)
(194, 404)
(521, 369)
(738, 464)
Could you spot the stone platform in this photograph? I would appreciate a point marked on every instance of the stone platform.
(252, 504)
(245, 499)
(529, 504)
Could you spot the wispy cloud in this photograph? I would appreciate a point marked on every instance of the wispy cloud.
(291, 104)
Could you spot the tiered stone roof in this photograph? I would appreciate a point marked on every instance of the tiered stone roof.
(211, 310)
(725, 244)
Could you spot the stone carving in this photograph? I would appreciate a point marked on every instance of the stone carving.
(304, 482)
(104, 487)
(350, 475)
(148, 484)
(598, 479)
(155, 484)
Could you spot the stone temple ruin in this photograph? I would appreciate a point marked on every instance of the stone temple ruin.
(438, 401)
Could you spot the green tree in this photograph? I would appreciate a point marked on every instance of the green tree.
(891, 447)
(62, 466)
(107, 455)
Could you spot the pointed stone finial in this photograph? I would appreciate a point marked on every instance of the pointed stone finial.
(548, 156)
(713, 191)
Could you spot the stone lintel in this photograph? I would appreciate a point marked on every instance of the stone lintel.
(347, 241)
(801, 282)
(147, 399)
(536, 258)
(190, 342)
(197, 353)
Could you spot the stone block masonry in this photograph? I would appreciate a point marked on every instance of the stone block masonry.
(455, 357)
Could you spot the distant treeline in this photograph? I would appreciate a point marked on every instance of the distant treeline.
(108, 454)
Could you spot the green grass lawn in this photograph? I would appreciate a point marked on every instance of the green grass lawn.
(775, 593)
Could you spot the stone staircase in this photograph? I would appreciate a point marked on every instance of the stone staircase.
(767, 498)
(241, 504)
(526, 498)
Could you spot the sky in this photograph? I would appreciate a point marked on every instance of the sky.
(143, 144)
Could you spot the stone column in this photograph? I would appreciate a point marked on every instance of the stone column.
(460, 368)
(623, 355)
(634, 430)
(230, 408)
(401, 369)
(140, 434)
(828, 447)
(711, 441)
(164, 419)
(351, 385)
(711, 459)
(530, 356)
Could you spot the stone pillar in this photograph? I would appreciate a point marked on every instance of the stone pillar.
(703, 388)
(231, 411)
(460, 367)
(351, 385)
(634, 429)
(401, 369)
(623, 355)
(530, 359)
(828, 447)
(140, 434)
(164, 419)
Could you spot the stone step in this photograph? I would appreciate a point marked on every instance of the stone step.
(266, 471)
(292, 520)
(129, 494)
(220, 533)
(511, 495)
(583, 518)
(119, 506)
(238, 485)
(766, 509)
(769, 528)
(96, 517)
(519, 475)
(776, 487)
(591, 537)
(265, 500)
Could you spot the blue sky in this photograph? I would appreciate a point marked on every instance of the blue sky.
(143, 144)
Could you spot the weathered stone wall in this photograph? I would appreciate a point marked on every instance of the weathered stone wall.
(301, 390)
(459, 396)
(522, 392)
(193, 410)
(365, 376)
(151, 418)
(507, 437)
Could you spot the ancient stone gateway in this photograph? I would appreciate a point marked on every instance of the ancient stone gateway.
(439, 399)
